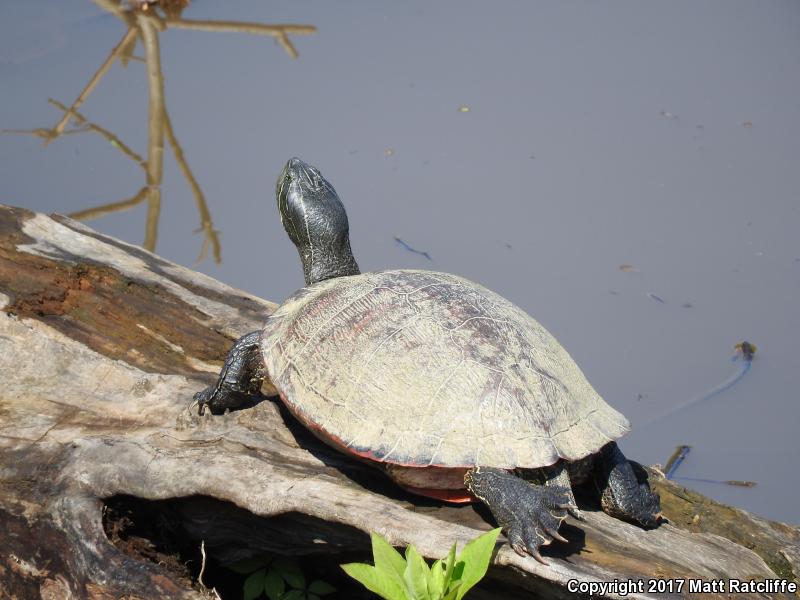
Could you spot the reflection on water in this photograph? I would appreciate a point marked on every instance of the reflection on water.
(144, 22)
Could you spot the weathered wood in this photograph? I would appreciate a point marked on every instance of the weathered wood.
(102, 346)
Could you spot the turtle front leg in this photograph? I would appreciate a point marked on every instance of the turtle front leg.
(530, 514)
(622, 494)
(240, 378)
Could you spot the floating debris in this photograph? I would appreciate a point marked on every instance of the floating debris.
(746, 349)
(652, 296)
(687, 305)
(700, 127)
(668, 115)
(352, 152)
(675, 460)
(463, 108)
(740, 483)
(628, 269)
(388, 152)
(613, 292)
(410, 249)
(747, 124)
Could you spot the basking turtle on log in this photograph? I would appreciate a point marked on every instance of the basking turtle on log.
(449, 388)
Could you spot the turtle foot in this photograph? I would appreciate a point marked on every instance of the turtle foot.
(239, 380)
(529, 514)
(626, 494)
(218, 400)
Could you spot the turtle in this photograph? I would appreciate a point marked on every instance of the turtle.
(453, 391)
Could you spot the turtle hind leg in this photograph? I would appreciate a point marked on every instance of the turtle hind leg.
(557, 476)
(623, 494)
(240, 378)
(530, 514)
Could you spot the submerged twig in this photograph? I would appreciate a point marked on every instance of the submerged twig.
(680, 454)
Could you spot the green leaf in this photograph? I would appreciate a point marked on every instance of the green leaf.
(254, 585)
(436, 582)
(416, 575)
(449, 564)
(274, 585)
(476, 556)
(387, 559)
(452, 591)
(249, 565)
(458, 570)
(294, 595)
(375, 581)
(295, 580)
(291, 572)
(321, 588)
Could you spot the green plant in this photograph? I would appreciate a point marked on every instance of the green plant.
(396, 578)
(279, 579)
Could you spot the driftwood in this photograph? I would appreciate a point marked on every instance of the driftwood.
(102, 346)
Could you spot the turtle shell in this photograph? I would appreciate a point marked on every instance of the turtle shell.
(419, 368)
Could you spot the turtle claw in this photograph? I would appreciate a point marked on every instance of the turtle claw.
(553, 533)
(517, 544)
(573, 510)
(524, 549)
(577, 513)
(202, 399)
(535, 554)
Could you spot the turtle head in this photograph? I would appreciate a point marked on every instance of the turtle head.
(316, 222)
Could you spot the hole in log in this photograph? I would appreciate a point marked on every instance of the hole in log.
(169, 533)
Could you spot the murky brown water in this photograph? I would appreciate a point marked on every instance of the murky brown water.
(535, 148)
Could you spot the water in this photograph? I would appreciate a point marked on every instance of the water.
(533, 147)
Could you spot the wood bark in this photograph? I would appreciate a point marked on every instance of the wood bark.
(102, 346)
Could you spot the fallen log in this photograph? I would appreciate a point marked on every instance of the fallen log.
(102, 346)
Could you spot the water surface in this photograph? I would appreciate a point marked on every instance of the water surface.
(533, 147)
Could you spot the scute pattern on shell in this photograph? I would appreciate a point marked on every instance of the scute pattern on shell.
(423, 368)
